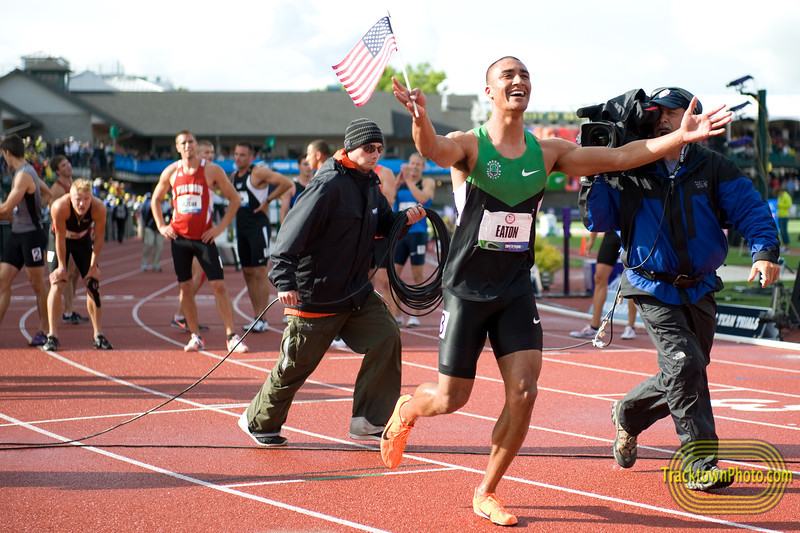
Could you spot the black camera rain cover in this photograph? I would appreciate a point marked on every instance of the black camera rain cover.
(631, 114)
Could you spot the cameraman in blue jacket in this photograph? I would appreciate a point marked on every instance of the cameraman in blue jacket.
(670, 215)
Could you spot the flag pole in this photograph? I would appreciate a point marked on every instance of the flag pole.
(403, 66)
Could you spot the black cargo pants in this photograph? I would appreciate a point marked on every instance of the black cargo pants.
(683, 336)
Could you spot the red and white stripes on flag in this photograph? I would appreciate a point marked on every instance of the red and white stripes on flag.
(360, 71)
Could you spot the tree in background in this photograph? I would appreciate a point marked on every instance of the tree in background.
(422, 76)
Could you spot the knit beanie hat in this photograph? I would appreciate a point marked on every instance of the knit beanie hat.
(360, 132)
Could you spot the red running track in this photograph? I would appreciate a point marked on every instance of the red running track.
(187, 467)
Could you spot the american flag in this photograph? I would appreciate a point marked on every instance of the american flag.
(360, 71)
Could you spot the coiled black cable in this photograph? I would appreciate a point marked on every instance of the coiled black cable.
(421, 299)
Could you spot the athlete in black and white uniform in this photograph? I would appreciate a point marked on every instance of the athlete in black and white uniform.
(257, 186)
(27, 243)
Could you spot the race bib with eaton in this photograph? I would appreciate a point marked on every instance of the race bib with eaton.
(505, 232)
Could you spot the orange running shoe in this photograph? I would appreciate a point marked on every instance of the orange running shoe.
(491, 507)
(395, 434)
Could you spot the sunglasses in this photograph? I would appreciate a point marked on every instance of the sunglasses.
(369, 148)
(683, 92)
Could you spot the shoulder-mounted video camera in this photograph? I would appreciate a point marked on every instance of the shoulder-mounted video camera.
(625, 118)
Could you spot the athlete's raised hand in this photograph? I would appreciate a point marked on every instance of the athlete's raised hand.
(409, 97)
(699, 127)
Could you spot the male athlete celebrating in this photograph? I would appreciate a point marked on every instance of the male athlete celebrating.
(498, 173)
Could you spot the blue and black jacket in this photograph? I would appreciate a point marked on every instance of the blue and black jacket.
(672, 227)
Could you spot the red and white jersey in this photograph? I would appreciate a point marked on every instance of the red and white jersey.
(191, 200)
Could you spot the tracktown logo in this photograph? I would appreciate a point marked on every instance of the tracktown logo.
(768, 471)
(731, 475)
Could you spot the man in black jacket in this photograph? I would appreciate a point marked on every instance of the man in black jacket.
(321, 263)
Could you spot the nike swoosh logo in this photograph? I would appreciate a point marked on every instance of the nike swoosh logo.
(536, 320)
(526, 174)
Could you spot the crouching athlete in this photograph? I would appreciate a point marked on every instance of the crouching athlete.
(79, 225)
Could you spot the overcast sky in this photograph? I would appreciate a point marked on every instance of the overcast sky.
(578, 52)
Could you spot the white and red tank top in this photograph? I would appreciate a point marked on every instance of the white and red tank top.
(191, 199)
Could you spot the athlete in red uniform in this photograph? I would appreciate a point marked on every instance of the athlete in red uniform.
(192, 233)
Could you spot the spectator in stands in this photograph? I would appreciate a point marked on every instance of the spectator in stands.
(120, 218)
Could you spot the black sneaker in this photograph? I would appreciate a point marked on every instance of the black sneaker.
(76, 319)
(51, 344)
(101, 343)
(706, 480)
(624, 443)
(262, 439)
(181, 325)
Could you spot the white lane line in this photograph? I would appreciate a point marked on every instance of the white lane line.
(418, 458)
(760, 367)
(200, 482)
(579, 364)
(624, 350)
(602, 497)
(744, 526)
(668, 451)
(781, 345)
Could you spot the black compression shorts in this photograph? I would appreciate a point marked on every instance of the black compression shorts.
(183, 250)
(511, 325)
(27, 249)
(81, 252)
(253, 246)
(609, 249)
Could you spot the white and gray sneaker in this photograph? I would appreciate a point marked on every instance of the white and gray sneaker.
(256, 326)
(362, 429)
(412, 322)
(235, 344)
(587, 332)
(628, 334)
(195, 344)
